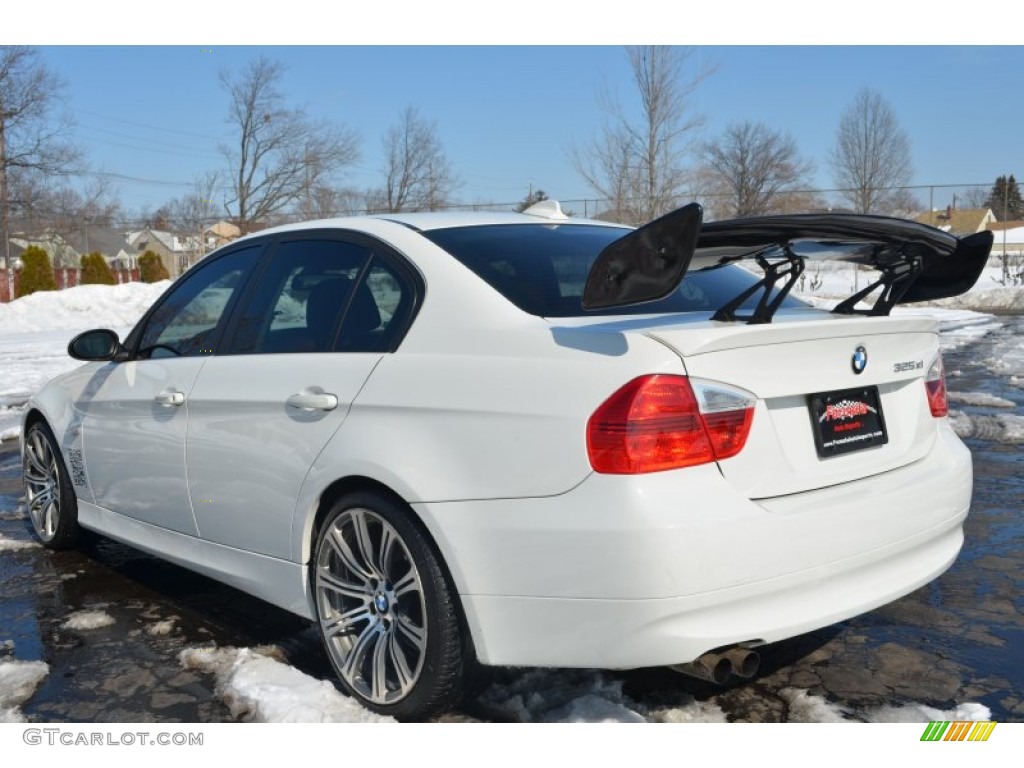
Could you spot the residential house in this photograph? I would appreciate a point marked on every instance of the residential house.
(1009, 238)
(222, 233)
(61, 254)
(110, 244)
(959, 221)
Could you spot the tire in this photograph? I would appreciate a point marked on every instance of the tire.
(386, 610)
(51, 500)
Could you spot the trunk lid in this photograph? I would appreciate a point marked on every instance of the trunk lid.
(784, 363)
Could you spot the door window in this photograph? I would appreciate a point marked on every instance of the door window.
(186, 323)
(301, 298)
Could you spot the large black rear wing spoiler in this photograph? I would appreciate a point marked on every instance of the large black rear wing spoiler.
(915, 262)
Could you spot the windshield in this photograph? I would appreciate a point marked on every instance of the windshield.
(542, 269)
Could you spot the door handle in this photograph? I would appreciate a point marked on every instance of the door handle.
(170, 397)
(313, 401)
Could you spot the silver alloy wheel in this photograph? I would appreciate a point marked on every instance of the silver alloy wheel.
(371, 606)
(42, 485)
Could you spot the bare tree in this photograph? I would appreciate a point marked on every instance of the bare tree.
(751, 164)
(417, 173)
(638, 162)
(277, 154)
(192, 213)
(871, 156)
(976, 197)
(31, 140)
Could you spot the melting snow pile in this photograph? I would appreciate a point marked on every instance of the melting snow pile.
(88, 620)
(8, 545)
(261, 689)
(805, 708)
(164, 627)
(80, 308)
(983, 399)
(1006, 428)
(18, 681)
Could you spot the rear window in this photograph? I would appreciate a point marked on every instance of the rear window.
(542, 268)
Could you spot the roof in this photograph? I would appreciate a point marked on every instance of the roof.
(998, 226)
(103, 239)
(958, 221)
(166, 239)
(1009, 235)
(224, 229)
(16, 250)
(427, 221)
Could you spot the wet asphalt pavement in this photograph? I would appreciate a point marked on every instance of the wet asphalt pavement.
(958, 639)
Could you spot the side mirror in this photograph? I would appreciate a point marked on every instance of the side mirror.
(96, 345)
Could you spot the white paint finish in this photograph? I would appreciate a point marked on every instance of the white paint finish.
(630, 634)
(134, 447)
(687, 532)
(780, 456)
(249, 452)
(280, 582)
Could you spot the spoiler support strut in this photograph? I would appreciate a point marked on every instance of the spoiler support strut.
(896, 279)
(789, 268)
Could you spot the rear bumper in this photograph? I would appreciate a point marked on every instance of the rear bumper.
(626, 572)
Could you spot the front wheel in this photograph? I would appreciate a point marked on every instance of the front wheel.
(52, 505)
(386, 610)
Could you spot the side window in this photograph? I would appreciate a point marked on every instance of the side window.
(185, 324)
(380, 310)
(301, 298)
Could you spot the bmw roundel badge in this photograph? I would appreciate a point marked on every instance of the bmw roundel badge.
(859, 360)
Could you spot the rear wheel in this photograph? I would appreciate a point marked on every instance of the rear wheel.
(386, 610)
(52, 505)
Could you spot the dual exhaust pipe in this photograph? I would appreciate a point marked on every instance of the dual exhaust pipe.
(717, 666)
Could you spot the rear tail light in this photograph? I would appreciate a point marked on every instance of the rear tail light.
(664, 421)
(935, 386)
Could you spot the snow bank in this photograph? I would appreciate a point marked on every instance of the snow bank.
(88, 620)
(982, 399)
(1006, 428)
(9, 545)
(806, 708)
(35, 331)
(80, 308)
(836, 280)
(18, 681)
(260, 689)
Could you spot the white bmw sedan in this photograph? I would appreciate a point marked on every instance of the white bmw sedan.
(525, 439)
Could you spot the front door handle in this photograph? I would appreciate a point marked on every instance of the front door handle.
(311, 400)
(170, 397)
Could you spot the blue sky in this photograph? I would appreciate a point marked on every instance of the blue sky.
(507, 114)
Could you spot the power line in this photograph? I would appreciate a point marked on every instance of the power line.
(151, 127)
(159, 146)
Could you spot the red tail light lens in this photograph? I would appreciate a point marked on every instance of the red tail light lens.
(935, 386)
(663, 421)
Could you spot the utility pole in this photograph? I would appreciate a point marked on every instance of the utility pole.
(1006, 215)
(4, 205)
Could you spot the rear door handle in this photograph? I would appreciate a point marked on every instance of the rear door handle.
(313, 401)
(170, 397)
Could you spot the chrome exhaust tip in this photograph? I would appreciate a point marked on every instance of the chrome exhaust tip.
(745, 662)
(712, 667)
